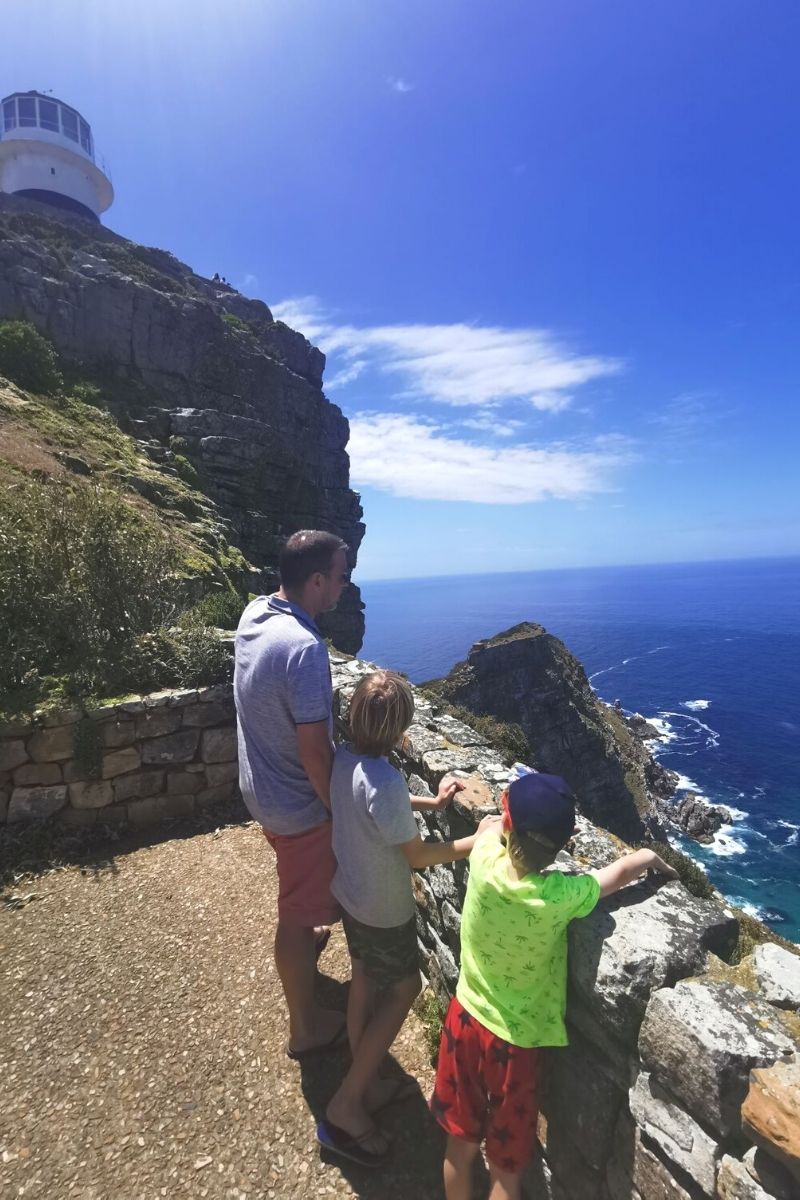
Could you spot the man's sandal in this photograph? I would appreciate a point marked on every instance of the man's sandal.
(403, 1088)
(338, 1039)
(339, 1141)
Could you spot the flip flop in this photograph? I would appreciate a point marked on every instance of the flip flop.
(338, 1039)
(323, 937)
(339, 1141)
(405, 1088)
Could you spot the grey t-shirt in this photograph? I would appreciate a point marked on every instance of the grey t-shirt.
(282, 680)
(371, 816)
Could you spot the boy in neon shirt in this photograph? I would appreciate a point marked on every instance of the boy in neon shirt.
(511, 994)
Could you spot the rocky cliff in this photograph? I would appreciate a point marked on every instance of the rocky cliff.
(526, 676)
(192, 370)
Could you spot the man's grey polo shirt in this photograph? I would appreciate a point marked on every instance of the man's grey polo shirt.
(282, 680)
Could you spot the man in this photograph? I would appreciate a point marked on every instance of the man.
(282, 687)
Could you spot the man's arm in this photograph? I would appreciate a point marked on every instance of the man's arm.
(628, 868)
(315, 751)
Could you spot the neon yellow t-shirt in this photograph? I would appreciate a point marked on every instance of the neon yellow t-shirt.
(514, 946)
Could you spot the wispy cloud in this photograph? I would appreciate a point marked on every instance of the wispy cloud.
(413, 458)
(490, 422)
(398, 84)
(346, 375)
(459, 364)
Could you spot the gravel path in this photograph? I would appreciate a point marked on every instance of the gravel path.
(142, 1031)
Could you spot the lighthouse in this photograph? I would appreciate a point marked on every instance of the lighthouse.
(47, 154)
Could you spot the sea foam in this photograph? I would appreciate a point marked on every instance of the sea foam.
(695, 705)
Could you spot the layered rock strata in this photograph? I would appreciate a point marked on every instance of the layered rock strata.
(195, 369)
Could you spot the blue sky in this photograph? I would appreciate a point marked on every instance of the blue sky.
(551, 249)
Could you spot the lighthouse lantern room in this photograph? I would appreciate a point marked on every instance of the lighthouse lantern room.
(47, 154)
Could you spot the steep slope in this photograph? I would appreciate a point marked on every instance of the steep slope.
(206, 384)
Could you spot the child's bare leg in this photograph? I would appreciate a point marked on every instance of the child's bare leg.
(360, 1002)
(458, 1159)
(506, 1185)
(347, 1107)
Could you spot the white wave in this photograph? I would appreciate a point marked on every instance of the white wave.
(624, 663)
(695, 705)
(665, 730)
(712, 737)
(787, 824)
(793, 839)
(726, 846)
(752, 910)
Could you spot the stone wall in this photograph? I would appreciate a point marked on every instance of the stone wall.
(681, 1080)
(140, 761)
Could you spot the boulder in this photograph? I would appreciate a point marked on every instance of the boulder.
(119, 762)
(701, 1039)
(157, 722)
(219, 745)
(96, 794)
(12, 754)
(675, 1133)
(638, 941)
(771, 1113)
(174, 748)
(51, 745)
(736, 1182)
(778, 974)
(37, 775)
(133, 787)
(636, 1170)
(770, 1175)
(36, 803)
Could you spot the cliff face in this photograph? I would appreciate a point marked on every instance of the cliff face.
(528, 677)
(192, 369)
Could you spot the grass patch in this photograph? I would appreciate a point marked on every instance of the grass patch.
(429, 1011)
(752, 933)
(507, 738)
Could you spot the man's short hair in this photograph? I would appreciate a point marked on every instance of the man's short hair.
(381, 710)
(304, 554)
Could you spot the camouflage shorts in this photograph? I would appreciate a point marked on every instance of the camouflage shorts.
(388, 955)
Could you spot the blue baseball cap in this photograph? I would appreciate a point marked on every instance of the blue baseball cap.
(543, 805)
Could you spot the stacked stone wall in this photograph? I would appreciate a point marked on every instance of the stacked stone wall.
(139, 761)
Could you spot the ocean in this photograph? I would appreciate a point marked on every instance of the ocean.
(709, 652)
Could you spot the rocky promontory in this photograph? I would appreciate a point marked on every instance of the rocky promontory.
(204, 381)
(528, 677)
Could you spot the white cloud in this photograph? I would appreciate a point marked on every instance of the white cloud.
(250, 281)
(458, 364)
(398, 84)
(346, 375)
(408, 457)
(489, 422)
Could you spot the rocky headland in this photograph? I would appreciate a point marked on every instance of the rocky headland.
(528, 677)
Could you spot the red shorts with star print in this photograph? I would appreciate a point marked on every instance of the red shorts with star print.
(486, 1089)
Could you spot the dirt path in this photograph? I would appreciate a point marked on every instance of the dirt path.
(141, 1039)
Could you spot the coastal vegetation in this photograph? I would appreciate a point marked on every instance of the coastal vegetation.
(114, 575)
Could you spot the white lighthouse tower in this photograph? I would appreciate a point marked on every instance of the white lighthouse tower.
(47, 154)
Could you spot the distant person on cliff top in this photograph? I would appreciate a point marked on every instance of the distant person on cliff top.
(283, 693)
(511, 993)
(376, 843)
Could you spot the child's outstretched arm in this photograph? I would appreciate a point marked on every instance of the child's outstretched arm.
(628, 868)
(421, 854)
(447, 789)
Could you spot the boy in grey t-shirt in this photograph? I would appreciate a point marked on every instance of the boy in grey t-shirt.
(376, 844)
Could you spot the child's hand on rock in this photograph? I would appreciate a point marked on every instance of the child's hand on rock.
(447, 789)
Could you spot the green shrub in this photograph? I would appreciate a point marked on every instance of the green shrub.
(82, 575)
(235, 322)
(190, 657)
(505, 737)
(27, 358)
(186, 471)
(220, 609)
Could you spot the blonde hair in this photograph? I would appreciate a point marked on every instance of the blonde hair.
(528, 853)
(381, 710)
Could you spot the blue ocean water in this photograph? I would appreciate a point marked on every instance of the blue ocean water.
(710, 650)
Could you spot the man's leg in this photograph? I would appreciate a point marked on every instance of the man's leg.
(295, 959)
(458, 1159)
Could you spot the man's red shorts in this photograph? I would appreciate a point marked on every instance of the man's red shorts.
(306, 867)
(486, 1088)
